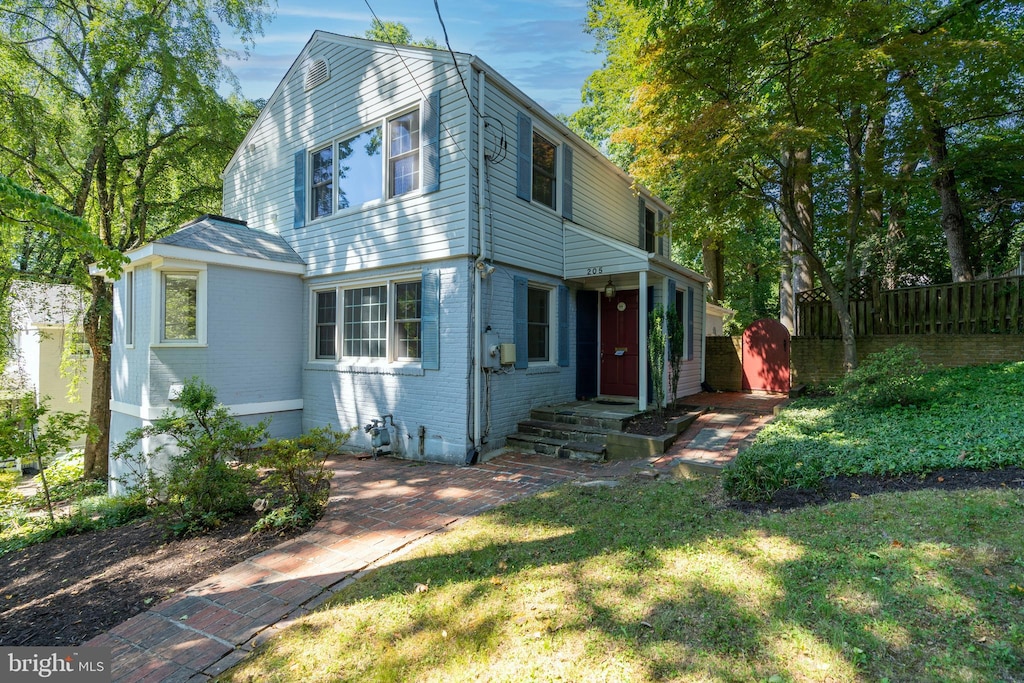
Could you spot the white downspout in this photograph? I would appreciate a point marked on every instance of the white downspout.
(478, 271)
(642, 298)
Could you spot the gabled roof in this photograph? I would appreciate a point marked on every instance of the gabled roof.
(230, 236)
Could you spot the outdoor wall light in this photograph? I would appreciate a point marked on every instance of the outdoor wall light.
(609, 289)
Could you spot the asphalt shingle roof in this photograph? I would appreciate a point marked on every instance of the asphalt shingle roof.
(226, 236)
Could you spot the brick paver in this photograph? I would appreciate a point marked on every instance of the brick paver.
(376, 509)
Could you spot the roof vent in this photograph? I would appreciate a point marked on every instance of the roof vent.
(317, 73)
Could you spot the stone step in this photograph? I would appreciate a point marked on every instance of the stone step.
(563, 416)
(562, 430)
(558, 448)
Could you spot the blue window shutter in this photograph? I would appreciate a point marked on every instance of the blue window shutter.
(431, 132)
(299, 218)
(563, 326)
(520, 329)
(567, 182)
(430, 320)
(524, 158)
(642, 222)
(689, 323)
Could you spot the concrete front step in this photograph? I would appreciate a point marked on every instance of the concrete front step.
(563, 430)
(606, 421)
(559, 448)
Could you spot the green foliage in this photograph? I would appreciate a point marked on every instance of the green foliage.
(8, 480)
(676, 347)
(656, 340)
(206, 479)
(971, 418)
(396, 33)
(888, 378)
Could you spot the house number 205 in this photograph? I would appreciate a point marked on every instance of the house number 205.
(595, 270)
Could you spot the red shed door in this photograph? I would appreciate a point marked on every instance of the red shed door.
(620, 344)
(766, 357)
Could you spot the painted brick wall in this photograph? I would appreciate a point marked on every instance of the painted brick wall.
(820, 361)
(347, 396)
(512, 393)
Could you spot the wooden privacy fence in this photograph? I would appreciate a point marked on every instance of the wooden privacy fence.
(994, 306)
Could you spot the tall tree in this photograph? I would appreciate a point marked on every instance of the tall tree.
(110, 108)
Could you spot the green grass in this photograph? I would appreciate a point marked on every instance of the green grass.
(970, 418)
(660, 582)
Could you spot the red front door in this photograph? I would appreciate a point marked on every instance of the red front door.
(620, 344)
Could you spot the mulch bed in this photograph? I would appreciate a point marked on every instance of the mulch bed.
(67, 590)
(846, 488)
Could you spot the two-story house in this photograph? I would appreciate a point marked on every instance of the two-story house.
(410, 235)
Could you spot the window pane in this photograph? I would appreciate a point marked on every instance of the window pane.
(544, 155)
(180, 307)
(408, 307)
(405, 134)
(649, 229)
(365, 322)
(129, 308)
(538, 328)
(404, 154)
(322, 182)
(360, 169)
(326, 324)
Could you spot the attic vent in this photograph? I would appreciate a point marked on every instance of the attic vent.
(317, 73)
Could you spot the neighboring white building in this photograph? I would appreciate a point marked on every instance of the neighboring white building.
(409, 237)
(717, 317)
(47, 326)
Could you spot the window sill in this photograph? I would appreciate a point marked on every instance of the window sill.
(177, 345)
(366, 368)
(542, 368)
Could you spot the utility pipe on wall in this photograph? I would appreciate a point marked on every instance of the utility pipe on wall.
(478, 270)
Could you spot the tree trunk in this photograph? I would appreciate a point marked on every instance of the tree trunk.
(954, 222)
(803, 199)
(98, 325)
(714, 268)
(787, 307)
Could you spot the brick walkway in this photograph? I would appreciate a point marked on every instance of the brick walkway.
(376, 509)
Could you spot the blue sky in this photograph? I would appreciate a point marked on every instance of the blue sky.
(539, 45)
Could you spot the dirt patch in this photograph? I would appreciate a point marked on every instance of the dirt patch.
(67, 590)
(653, 424)
(847, 488)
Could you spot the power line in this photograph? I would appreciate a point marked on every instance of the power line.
(418, 86)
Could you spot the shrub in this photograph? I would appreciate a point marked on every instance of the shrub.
(298, 470)
(8, 496)
(758, 475)
(888, 378)
(206, 480)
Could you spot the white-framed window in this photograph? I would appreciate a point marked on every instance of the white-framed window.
(545, 171)
(404, 153)
(538, 324)
(180, 302)
(379, 321)
(129, 308)
(360, 167)
(180, 310)
(650, 229)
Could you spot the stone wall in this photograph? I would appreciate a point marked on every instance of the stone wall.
(819, 361)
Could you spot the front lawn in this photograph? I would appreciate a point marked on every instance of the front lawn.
(663, 582)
